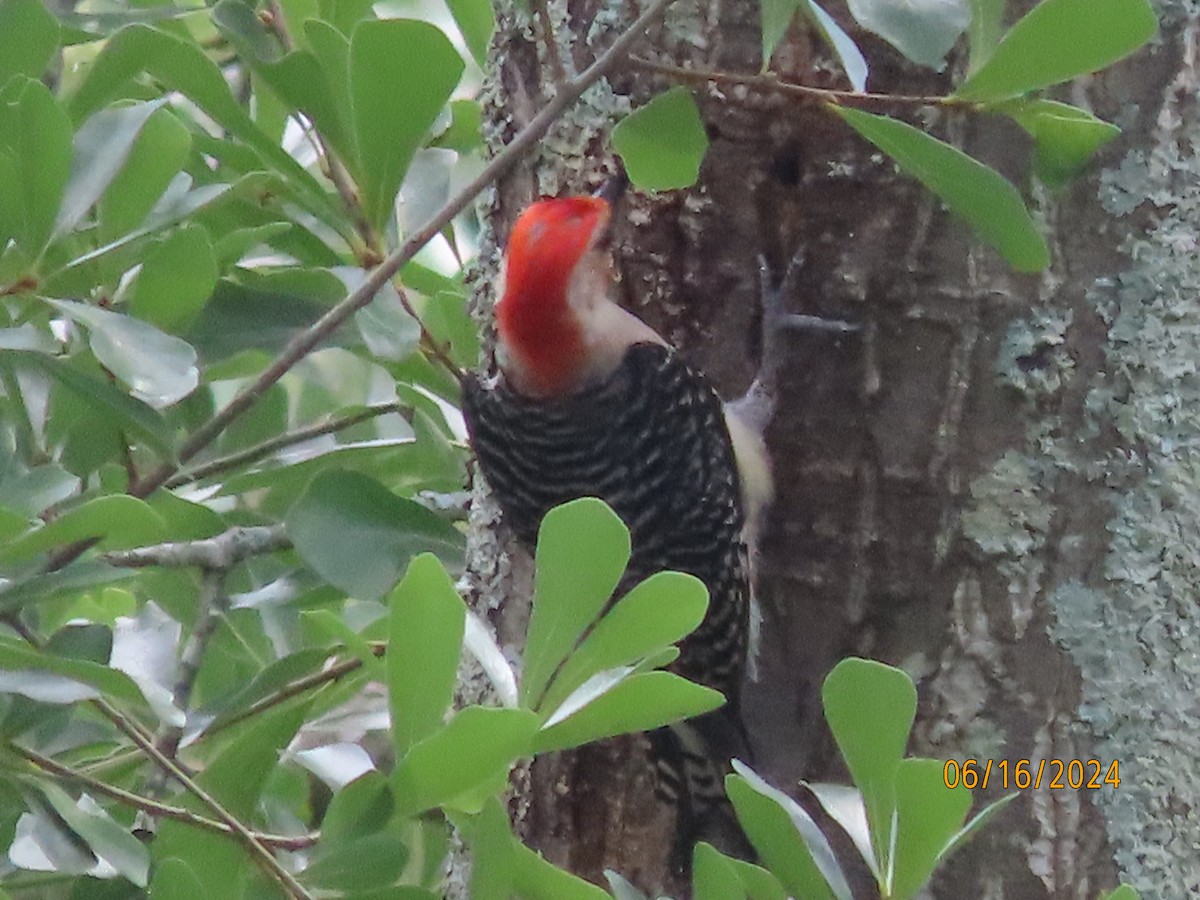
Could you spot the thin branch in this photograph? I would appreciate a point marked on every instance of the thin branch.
(211, 605)
(215, 554)
(305, 342)
(154, 807)
(258, 851)
(299, 436)
(428, 340)
(295, 688)
(772, 84)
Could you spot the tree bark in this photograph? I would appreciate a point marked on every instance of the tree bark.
(994, 483)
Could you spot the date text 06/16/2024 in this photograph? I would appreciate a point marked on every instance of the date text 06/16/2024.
(1022, 774)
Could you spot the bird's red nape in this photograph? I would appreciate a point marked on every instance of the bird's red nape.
(534, 318)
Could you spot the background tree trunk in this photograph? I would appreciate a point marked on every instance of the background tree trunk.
(993, 484)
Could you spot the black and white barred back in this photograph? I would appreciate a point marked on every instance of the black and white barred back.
(651, 441)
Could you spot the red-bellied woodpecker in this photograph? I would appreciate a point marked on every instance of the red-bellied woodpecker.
(590, 401)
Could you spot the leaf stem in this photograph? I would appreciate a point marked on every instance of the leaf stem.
(773, 84)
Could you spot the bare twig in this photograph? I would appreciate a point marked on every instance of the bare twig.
(217, 554)
(771, 83)
(211, 606)
(428, 340)
(299, 436)
(154, 807)
(295, 688)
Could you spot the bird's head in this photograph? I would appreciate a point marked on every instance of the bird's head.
(555, 275)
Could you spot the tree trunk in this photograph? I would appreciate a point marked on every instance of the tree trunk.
(991, 484)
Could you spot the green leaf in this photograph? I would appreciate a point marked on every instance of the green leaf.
(476, 22)
(402, 73)
(424, 645)
(716, 876)
(17, 656)
(158, 154)
(182, 66)
(345, 14)
(236, 777)
(38, 489)
(870, 709)
(304, 83)
(179, 201)
(923, 30)
(473, 752)
(780, 847)
(257, 313)
(657, 612)
(851, 58)
(1065, 137)
(621, 703)
(503, 867)
(777, 15)
(137, 417)
(368, 863)
(582, 551)
(360, 808)
(11, 524)
(985, 31)
(85, 575)
(174, 879)
(109, 841)
(239, 772)
(928, 815)
(1124, 892)
(42, 162)
(387, 329)
(12, 204)
(159, 368)
(465, 133)
(1059, 40)
(759, 883)
(28, 38)
(120, 520)
(977, 822)
(232, 246)
(102, 146)
(332, 51)
(254, 41)
(329, 624)
(989, 203)
(493, 863)
(663, 142)
(299, 79)
(713, 875)
(178, 275)
(358, 535)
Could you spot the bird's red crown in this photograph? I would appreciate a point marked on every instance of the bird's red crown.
(535, 320)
